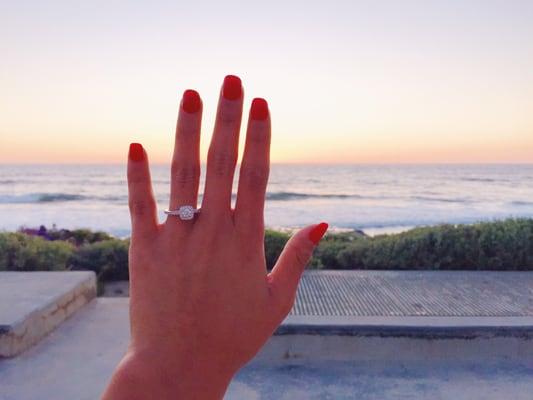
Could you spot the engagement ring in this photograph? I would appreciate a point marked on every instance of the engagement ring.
(184, 212)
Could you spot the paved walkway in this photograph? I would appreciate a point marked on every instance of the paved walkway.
(350, 336)
(76, 360)
(374, 380)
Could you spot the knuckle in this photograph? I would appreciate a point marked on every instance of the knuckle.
(183, 175)
(229, 116)
(300, 259)
(254, 176)
(140, 207)
(187, 131)
(300, 255)
(137, 179)
(260, 136)
(223, 164)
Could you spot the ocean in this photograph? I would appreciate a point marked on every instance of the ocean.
(373, 198)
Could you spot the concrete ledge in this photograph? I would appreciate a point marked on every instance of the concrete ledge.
(413, 327)
(33, 303)
(299, 348)
(401, 339)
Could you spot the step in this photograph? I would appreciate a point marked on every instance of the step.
(32, 304)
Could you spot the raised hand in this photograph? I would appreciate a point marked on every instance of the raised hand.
(202, 301)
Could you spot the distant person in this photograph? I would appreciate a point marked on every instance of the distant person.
(202, 303)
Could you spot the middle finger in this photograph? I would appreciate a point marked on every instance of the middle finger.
(223, 150)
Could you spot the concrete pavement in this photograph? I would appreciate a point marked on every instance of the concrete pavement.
(351, 335)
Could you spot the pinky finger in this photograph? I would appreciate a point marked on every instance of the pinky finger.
(141, 200)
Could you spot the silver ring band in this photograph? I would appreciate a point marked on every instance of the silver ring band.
(184, 212)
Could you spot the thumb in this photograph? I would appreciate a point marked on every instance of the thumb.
(291, 263)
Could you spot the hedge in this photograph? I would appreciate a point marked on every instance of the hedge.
(500, 245)
(503, 245)
(21, 252)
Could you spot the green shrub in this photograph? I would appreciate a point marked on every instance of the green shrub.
(78, 236)
(4, 249)
(274, 243)
(107, 258)
(326, 253)
(503, 245)
(20, 252)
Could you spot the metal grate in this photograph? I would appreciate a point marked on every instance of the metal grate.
(415, 293)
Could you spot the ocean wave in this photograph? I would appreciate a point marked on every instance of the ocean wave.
(40, 198)
(440, 199)
(522, 203)
(270, 196)
(52, 197)
(469, 179)
(280, 196)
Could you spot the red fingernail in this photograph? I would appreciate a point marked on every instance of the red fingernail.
(259, 109)
(191, 101)
(232, 87)
(136, 152)
(317, 232)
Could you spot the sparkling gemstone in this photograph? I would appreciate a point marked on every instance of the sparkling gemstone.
(186, 212)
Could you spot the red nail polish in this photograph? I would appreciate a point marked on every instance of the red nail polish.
(317, 232)
(232, 87)
(259, 109)
(191, 101)
(136, 152)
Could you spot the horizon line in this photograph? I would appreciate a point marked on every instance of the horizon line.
(283, 163)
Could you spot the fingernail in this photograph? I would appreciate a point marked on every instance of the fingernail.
(232, 87)
(191, 101)
(317, 232)
(136, 152)
(259, 109)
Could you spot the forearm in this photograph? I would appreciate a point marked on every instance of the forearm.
(141, 377)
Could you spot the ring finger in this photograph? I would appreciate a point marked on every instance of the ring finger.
(185, 168)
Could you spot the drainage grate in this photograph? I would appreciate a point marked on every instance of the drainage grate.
(415, 293)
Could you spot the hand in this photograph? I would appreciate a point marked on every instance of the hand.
(202, 303)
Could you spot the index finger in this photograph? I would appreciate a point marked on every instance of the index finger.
(143, 209)
(255, 168)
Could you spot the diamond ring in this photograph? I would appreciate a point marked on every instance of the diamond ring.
(184, 212)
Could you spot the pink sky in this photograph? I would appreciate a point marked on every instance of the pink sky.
(432, 81)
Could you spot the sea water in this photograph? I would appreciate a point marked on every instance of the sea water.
(372, 198)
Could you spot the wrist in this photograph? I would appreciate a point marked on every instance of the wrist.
(147, 374)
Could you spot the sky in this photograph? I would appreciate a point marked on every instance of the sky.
(347, 81)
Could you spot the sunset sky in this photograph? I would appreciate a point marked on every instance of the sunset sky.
(347, 81)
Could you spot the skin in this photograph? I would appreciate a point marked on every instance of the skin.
(202, 301)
